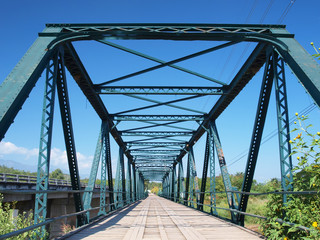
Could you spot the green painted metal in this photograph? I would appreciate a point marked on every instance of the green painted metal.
(172, 62)
(262, 108)
(68, 136)
(157, 155)
(120, 186)
(157, 117)
(224, 172)
(16, 88)
(154, 133)
(302, 64)
(162, 144)
(158, 103)
(204, 175)
(283, 125)
(213, 209)
(157, 60)
(40, 210)
(180, 184)
(87, 196)
(103, 183)
(163, 90)
(252, 65)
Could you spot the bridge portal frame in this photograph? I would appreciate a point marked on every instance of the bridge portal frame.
(59, 37)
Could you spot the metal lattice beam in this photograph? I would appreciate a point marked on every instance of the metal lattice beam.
(155, 90)
(157, 117)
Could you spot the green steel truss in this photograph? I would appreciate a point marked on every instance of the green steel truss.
(45, 142)
(157, 146)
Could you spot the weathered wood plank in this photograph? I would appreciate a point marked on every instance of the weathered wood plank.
(158, 218)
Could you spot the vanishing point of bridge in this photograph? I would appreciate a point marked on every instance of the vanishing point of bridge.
(157, 129)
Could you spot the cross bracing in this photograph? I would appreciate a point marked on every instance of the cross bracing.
(156, 133)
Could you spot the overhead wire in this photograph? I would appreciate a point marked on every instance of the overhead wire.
(272, 134)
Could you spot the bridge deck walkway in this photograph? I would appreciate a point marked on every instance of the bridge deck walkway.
(158, 218)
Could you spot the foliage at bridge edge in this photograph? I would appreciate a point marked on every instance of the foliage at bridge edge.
(302, 210)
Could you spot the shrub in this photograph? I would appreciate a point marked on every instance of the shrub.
(302, 210)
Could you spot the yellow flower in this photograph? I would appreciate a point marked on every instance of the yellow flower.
(297, 114)
(286, 238)
(315, 224)
(295, 122)
(298, 158)
(318, 133)
(311, 43)
(290, 141)
(299, 135)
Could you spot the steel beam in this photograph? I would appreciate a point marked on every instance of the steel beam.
(154, 133)
(156, 90)
(156, 60)
(283, 125)
(40, 211)
(16, 88)
(302, 64)
(68, 136)
(87, 196)
(262, 108)
(245, 74)
(116, 117)
(232, 202)
(82, 78)
(204, 175)
(213, 199)
(161, 144)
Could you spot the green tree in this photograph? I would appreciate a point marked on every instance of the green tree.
(57, 174)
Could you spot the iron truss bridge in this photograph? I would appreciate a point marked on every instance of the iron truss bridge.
(157, 115)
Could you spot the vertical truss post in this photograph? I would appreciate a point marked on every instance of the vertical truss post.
(166, 186)
(181, 192)
(106, 167)
(87, 196)
(68, 135)
(179, 185)
(224, 172)
(262, 108)
(40, 211)
(173, 178)
(138, 184)
(186, 196)
(129, 182)
(120, 194)
(212, 172)
(283, 124)
(193, 179)
(123, 180)
(107, 160)
(204, 175)
(103, 184)
(134, 184)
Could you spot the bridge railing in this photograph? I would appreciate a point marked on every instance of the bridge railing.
(116, 207)
(194, 202)
(27, 179)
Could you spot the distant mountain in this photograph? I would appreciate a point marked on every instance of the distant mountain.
(17, 165)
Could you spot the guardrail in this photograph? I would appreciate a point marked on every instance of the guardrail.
(21, 179)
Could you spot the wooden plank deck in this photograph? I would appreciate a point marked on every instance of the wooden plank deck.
(158, 218)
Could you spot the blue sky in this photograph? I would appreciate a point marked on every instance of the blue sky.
(20, 21)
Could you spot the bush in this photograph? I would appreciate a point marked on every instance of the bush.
(302, 210)
(8, 223)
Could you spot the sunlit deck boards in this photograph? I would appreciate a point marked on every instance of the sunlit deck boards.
(158, 218)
